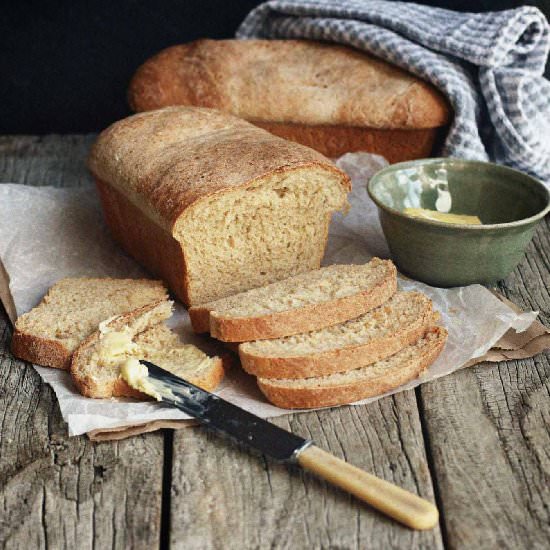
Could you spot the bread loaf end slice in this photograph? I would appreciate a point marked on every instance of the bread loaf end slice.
(366, 381)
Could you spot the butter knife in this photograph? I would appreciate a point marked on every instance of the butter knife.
(283, 446)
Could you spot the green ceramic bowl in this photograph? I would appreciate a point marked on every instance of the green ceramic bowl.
(508, 203)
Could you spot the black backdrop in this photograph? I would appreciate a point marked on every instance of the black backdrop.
(65, 64)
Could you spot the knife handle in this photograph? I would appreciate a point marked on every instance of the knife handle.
(405, 507)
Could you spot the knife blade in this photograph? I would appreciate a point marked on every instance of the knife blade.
(263, 436)
(222, 416)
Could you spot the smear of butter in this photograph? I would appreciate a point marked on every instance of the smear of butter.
(114, 345)
(442, 216)
(137, 376)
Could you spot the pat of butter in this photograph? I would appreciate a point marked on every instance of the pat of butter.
(442, 216)
(114, 344)
(137, 376)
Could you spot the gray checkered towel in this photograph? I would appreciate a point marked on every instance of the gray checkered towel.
(489, 65)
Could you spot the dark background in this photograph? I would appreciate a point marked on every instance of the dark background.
(65, 65)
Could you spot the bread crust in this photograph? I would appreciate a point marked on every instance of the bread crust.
(168, 160)
(288, 81)
(40, 351)
(304, 319)
(200, 319)
(329, 396)
(397, 145)
(337, 360)
(118, 387)
(153, 247)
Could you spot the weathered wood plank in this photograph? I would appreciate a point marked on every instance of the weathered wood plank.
(57, 492)
(45, 160)
(489, 433)
(225, 497)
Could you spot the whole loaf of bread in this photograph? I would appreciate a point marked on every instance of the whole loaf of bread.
(212, 204)
(329, 97)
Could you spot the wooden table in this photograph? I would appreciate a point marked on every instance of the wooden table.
(478, 442)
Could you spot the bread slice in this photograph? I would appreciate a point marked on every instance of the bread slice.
(71, 310)
(371, 337)
(302, 303)
(360, 383)
(140, 334)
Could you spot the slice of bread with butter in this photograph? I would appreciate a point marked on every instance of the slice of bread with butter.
(140, 334)
(71, 310)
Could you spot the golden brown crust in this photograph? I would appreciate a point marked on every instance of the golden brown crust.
(146, 241)
(288, 81)
(304, 319)
(334, 141)
(329, 396)
(337, 360)
(200, 319)
(40, 351)
(167, 160)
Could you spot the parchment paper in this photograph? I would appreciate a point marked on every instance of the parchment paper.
(48, 233)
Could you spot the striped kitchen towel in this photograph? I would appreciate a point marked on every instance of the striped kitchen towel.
(489, 65)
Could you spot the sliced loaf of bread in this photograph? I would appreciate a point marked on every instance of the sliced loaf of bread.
(212, 204)
(72, 310)
(140, 334)
(370, 337)
(360, 383)
(302, 303)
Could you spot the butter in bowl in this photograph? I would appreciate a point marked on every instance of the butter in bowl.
(452, 222)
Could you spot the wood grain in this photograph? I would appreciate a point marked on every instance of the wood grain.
(56, 491)
(226, 497)
(489, 433)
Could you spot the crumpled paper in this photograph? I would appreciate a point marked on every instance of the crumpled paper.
(48, 233)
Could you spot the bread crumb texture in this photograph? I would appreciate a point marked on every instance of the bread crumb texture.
(247, 238)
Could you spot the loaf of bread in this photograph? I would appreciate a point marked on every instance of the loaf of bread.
(332, 98)
(72, 310)
(302, 303)
(212, 204)
(140, 334)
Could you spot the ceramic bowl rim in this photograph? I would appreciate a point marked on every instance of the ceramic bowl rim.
(468, 227)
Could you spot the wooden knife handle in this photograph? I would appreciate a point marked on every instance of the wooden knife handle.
(390, 499)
